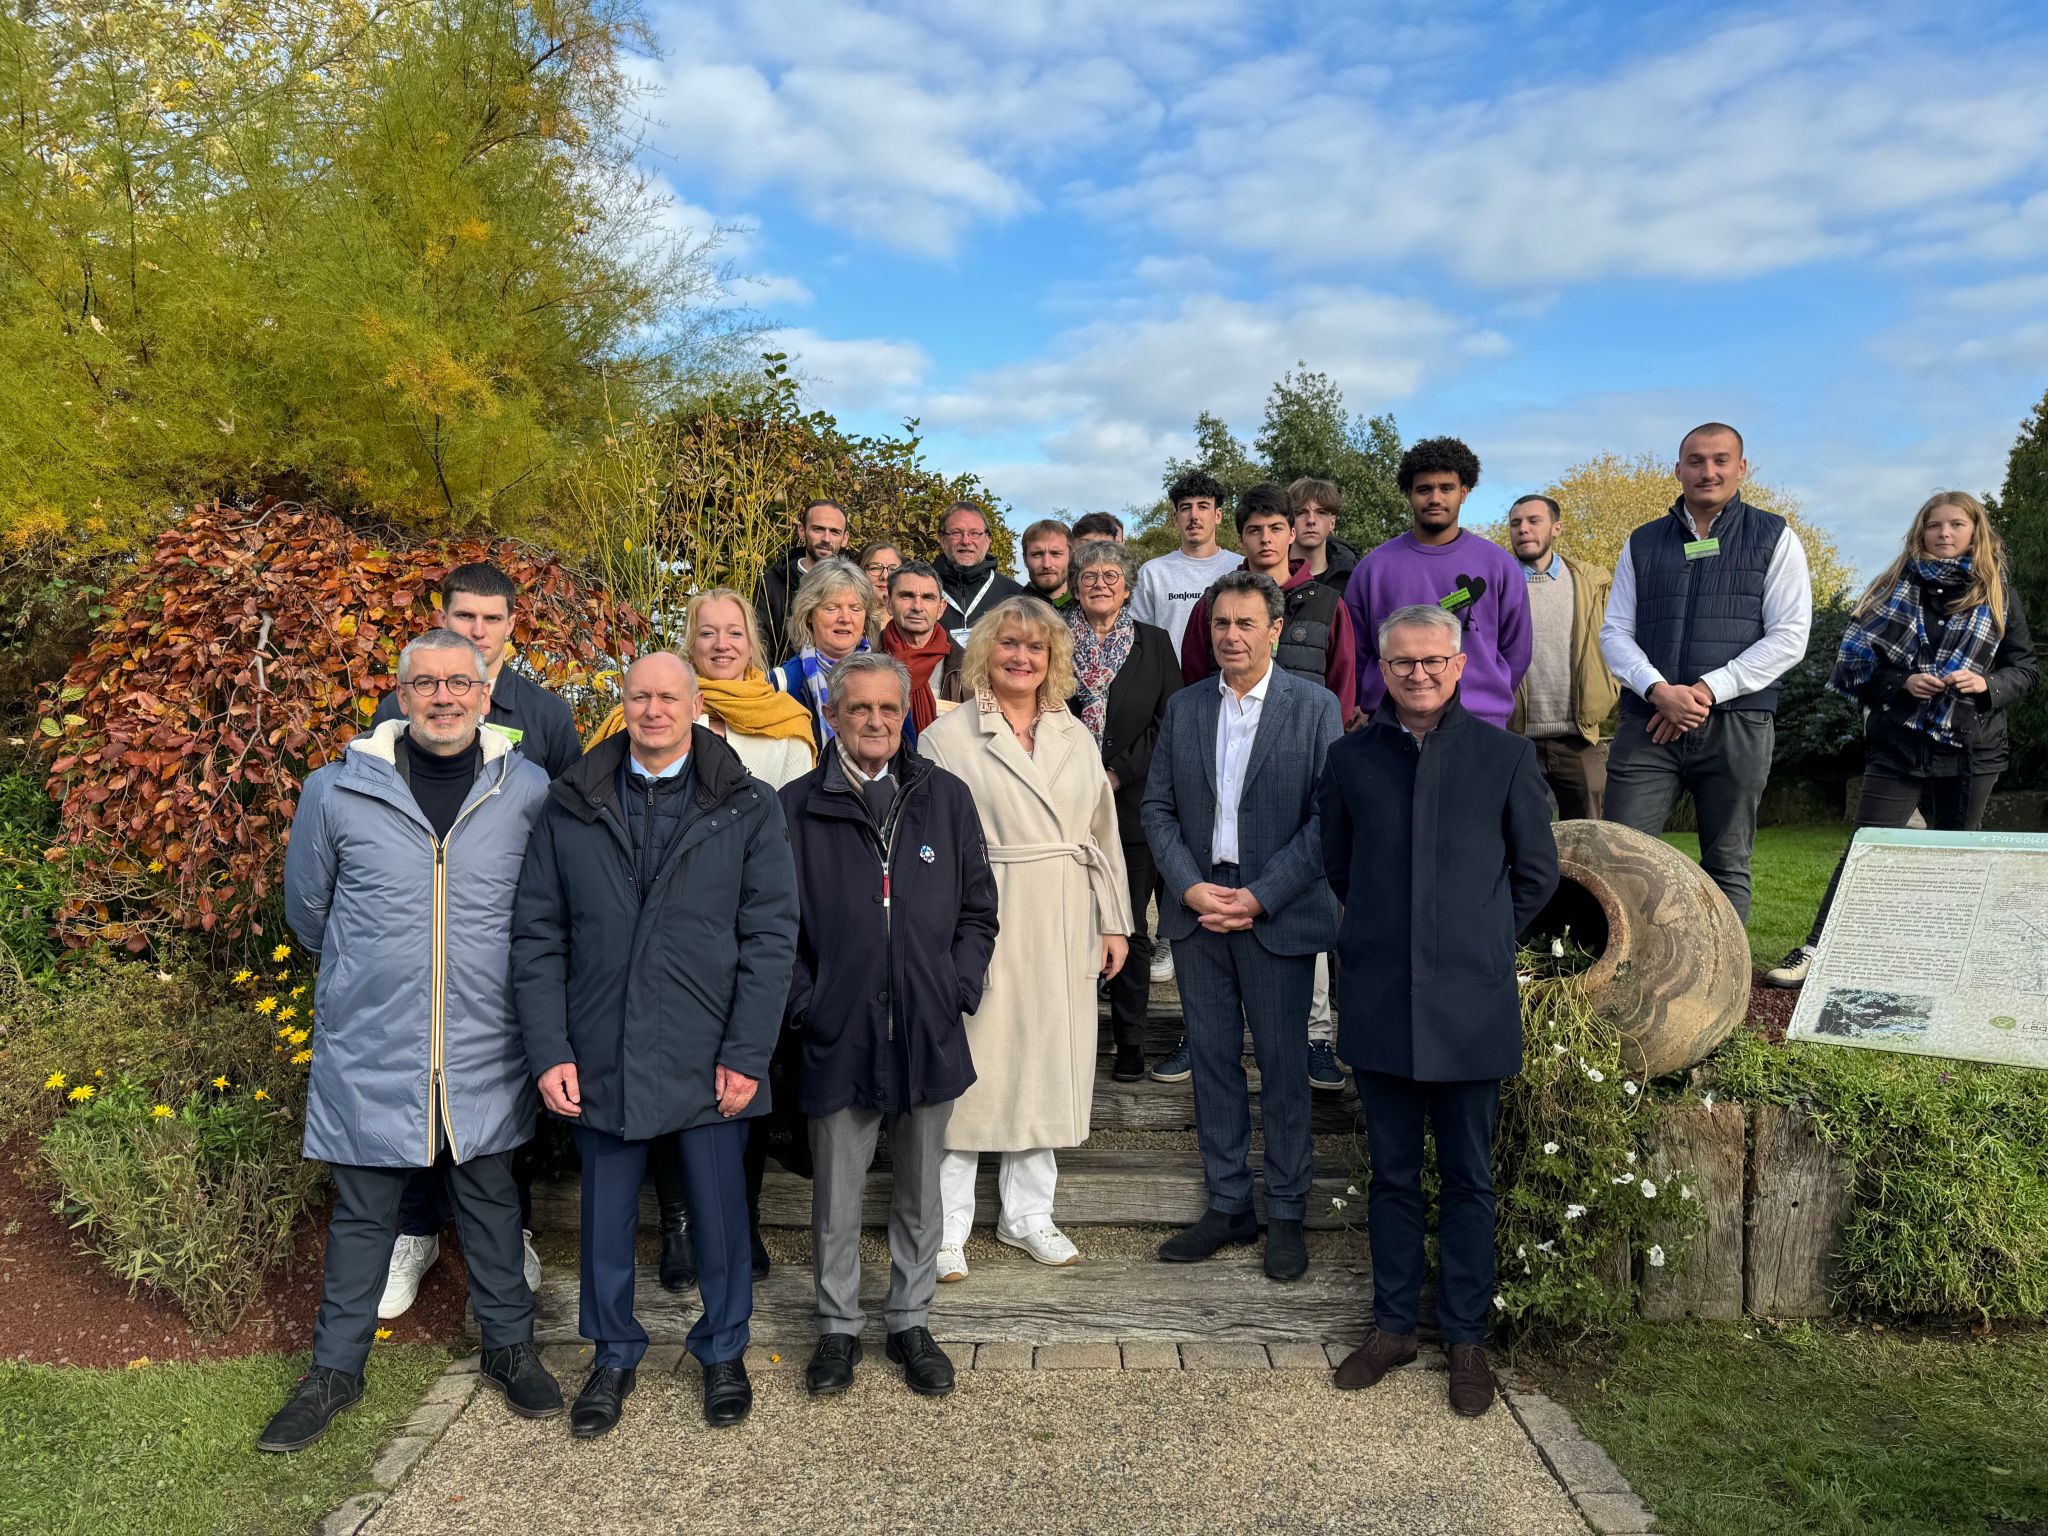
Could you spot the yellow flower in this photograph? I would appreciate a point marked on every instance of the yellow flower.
(284, 1032)
(140, 1362)
(161, 1112)
(282, 952)
(300, 1036)
(80, 1094)
(259, 1095)
(99, 1072)
(383, 1333)
(299, 989)
(302, 1058)
(267, 1005)
(54, 1080)
(221, 1081)
(243, 978)
(156, 866)
(287, 1013)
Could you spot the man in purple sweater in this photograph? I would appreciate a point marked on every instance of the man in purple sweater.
(1437, 563)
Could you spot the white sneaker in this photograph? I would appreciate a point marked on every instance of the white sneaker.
(1048, 1245)
(1162, 961)
(411, 1258)
(952, 1263)
(1791, 971)
(529, 1260)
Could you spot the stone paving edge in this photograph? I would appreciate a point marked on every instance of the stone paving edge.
(1604, 1499)
(438, 1408)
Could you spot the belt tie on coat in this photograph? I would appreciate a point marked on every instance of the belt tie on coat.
(1088, 854)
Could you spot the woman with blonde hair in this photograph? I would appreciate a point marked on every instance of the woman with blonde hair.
(834, 614)
(1048, 814)
(1936, 651)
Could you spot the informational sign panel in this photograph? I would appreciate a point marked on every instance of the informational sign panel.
(1937, 944)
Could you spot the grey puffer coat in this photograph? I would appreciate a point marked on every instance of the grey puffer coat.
(413, 1007)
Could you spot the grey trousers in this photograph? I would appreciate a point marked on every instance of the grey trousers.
(364, 1226)
(1724, 764)
(842, 1151)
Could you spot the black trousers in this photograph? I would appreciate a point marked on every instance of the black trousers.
(424, 1208)
(1130, 993)
(1462, 1115)
(365, 1225)
(1952, 803)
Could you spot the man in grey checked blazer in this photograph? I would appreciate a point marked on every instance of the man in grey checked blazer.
(1230, 812)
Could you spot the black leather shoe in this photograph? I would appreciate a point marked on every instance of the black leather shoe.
(728, 1395)
(1286, 1251)
(1213, 1232)
(530, 1391)
(596, 1410)
(926, 1370)
(678, 1252)
(759, 1259)
(1129, 1066)
(316, 1398)
(831, 1369)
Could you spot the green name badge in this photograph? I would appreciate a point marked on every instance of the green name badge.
(511, 733)
(1451, 602)
(1701, 549)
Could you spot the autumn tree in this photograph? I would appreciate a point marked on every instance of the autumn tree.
(2021, 513)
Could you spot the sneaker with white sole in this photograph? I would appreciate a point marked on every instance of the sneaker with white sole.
(1178, 1066)
(1791, 971)
(1048, 1245)
(1162, 961)
(411, 1258)
(529, 1260)
(952, 1263)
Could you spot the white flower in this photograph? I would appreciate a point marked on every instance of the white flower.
(1550, 1149)
(1649, 1189)
(1596, 1074)
(1500, 1301)
(1656, 1256)
(1630, 1089)
(1523, 978)
(1546, 1245)
(1521, 1250)
(1707, 1099)
(1574, 1212)
(1557, 948)
(1557, 1049)
(1350, 1189)
(1626, 1178)
(1685, 1191)
(1628, 1157)
(1337, 1202)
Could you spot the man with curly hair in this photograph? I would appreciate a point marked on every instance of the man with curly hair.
(1437, 562)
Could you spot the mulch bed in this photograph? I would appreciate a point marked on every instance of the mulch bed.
(60, 1305)
(1770, 1009)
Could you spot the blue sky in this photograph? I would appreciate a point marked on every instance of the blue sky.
(1055, 230)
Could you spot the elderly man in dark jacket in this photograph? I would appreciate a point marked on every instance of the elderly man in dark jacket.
(651, 949)
(899, 920)
(1440, 823)
(400, 874)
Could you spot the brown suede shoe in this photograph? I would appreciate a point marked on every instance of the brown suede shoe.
(1471, 1381)
(1379, 1354)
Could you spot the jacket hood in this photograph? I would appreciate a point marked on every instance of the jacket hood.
(1342, 557)
(948, 571)
(593, 783)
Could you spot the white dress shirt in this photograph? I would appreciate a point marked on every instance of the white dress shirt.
(1788, 615)
(1236, 728)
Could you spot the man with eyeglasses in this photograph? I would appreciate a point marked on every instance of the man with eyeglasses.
(1440, 824)
(400, 873)
(477, 602)
(968, 577)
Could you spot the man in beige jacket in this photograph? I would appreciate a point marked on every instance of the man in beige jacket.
(1567, 692)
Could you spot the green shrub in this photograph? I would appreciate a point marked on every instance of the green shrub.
(31, 889)
(1949, 1206)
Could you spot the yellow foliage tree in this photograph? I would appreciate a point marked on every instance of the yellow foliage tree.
(1608, 498)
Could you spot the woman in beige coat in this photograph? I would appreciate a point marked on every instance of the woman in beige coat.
(1049, 816)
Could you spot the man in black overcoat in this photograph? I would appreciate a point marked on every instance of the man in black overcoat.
(1440, 823)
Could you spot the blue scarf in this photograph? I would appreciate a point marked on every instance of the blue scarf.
(813, 673)
(1901, 631)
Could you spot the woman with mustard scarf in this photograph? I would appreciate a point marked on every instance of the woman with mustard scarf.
(771, 733)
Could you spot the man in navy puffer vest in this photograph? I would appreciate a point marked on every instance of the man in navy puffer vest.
(1710, 608)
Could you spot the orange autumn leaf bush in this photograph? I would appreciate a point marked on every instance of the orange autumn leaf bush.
(246, 651)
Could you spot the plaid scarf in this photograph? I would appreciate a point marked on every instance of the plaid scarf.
(1097, 660)
(813, 672)
(1902, 631)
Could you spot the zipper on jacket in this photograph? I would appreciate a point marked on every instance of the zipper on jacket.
(438, 969)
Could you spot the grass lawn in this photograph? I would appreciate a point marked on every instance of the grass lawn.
(1790, 870)
(168, 1450)
(1727, 1430)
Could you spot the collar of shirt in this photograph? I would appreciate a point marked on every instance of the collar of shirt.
(1256, 691)
(1550, 572)
(858, 779)
(669, 772)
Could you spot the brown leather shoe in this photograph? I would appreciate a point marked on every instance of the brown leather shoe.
(1471, 1381)
(1379, 1354)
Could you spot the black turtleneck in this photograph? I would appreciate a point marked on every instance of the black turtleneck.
(440, 784)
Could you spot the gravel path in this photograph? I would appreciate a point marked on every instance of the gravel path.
(1070, 1451)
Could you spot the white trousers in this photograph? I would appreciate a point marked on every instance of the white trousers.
(1322, 1023)
(1024, 1183)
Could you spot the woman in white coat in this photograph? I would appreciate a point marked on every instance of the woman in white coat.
(1049, 817)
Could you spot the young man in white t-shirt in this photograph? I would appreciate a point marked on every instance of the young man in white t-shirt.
(1168, 588)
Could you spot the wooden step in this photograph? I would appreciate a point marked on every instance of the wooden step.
(1011, 1299)
(1097, 1186)
(1150, 1106)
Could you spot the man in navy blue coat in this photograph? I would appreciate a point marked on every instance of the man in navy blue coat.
(1439, 821)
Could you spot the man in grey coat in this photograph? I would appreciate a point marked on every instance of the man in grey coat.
(404, 859)
(1230, 812)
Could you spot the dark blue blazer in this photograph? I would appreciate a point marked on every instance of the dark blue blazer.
(1442, 856)
(1279, 846)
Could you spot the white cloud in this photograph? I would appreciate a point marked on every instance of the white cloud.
(853, 374)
